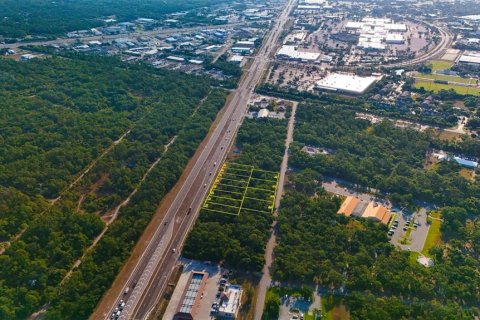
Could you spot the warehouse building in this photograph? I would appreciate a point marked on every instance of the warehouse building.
(346, 83)
(470, 59)
(190, 301)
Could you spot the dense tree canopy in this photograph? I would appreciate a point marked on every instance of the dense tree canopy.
(58, 116)
(43, 17)
(384, 157)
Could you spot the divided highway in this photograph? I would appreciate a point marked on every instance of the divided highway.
(149, 277)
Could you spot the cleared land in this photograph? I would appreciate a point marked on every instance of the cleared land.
(240, 188)
(440, 64)
(436, 87)
(446, 78)
(433, 237)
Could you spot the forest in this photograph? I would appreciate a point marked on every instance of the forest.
(68, 113)
(239, 241)
(54, 18)
(384, 157)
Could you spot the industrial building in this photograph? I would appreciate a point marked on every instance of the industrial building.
(470, 59)
(292, 53)
(346, 83)
(189, 303)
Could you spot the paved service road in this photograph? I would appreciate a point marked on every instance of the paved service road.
(149, 277)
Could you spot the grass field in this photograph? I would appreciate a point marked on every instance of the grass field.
(446, 78)
(436, 87)
(440, 65)
(238, 188)
(334, 309)
(433, 236)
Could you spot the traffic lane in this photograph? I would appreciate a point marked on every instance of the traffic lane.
(174, 208)
(153, 292)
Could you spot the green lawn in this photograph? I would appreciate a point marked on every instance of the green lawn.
(446, 78)
(440, 65)
(433, 237)
(436, 87)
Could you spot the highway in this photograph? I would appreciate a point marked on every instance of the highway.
(149, 277)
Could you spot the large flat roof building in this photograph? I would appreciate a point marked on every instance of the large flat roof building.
(375, 32)
(470, 59)
(347, 83)
(292, 52)
(189, 303)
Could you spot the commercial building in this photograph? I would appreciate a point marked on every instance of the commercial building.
(466, 163)
(189, 303)
(292, 53)
(374, 33)
(241, 50)
(470, 59)
(346, 83)
(245, 44)
(348, 206)
(230, 302)
(377, 212)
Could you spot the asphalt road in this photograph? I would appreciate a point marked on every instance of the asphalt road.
(157, 262)
(437, 52)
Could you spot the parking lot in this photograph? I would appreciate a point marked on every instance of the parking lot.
(416, 240)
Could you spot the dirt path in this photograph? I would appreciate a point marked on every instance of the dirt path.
(266, 277)
(112, 217)
(69, 187)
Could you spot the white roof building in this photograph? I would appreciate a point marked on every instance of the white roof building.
(174, 58)
(425, 261)
(245, 44)
(348, 83)
(230, 302)
(470, 58)
(263, 113)
(375, 32)
(291, 52)
(394, 38)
